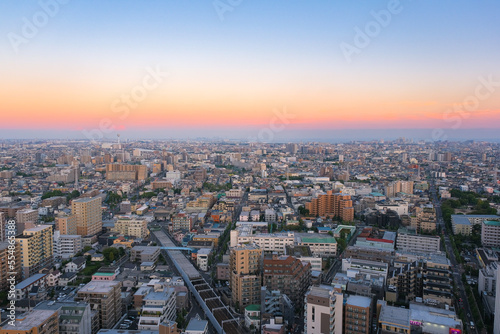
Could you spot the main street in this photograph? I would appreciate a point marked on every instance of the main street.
(456, 267)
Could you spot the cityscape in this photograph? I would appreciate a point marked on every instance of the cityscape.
(238, 167)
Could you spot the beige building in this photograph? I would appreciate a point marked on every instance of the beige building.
(105, 298)
(393, 188)
(132, 227)
(424, 219)
(88, 215)
(332, 205)
(490, 233)
(245, 271)
(124, 172)
(36, 245)
(26, 215)
(66, 224)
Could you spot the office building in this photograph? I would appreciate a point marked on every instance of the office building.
(88, 215)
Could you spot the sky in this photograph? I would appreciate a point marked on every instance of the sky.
(257, 70)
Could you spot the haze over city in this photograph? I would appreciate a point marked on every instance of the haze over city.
(223, 70)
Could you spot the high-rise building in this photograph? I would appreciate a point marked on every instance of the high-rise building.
(66, 224)
(34, 322)
(88, 215)
(333, 205)
(357, 318)
(105, 298)
(132, 227)
(288, 275)
(36, 246)
(323, 310)
(245, 271)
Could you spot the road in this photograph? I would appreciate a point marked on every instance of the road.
(456, 267)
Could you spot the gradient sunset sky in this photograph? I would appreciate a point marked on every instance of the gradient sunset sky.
(227, 75)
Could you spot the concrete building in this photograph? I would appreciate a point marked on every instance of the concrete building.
(74, 317)
(157, 306)
(36, 246)
(144, 253)
(496, 328)
(88, 215)
(409, 240)
(245, 270)
(182, 221)
(26, 215)
(66, 246)
(490, 233)
(132, 227)
(487, 278)
(320, 246)
(105, 298)
(357, 315)
(287, 275)
(202, 258)
(323, 312)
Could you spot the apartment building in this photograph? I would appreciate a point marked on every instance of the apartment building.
(157, 306)
(424, 219)
(88, 215)
(490, 233)
(409, 240)
(36, 246)
(437, 281)
(26, 215)
(105, 298)
(462, 224)
(66, 224)
(66, 246)
(357, 315)
(144, 253)
(245, 271)
(132, 227)
(123, 172)
(332, 205)
(288, 275)
(74, 317)
(182, 221)
(323, 311)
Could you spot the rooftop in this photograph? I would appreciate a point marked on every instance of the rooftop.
(359, 301)
(197, 325)
(395, 315)
(32, 319)
(98, 287)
